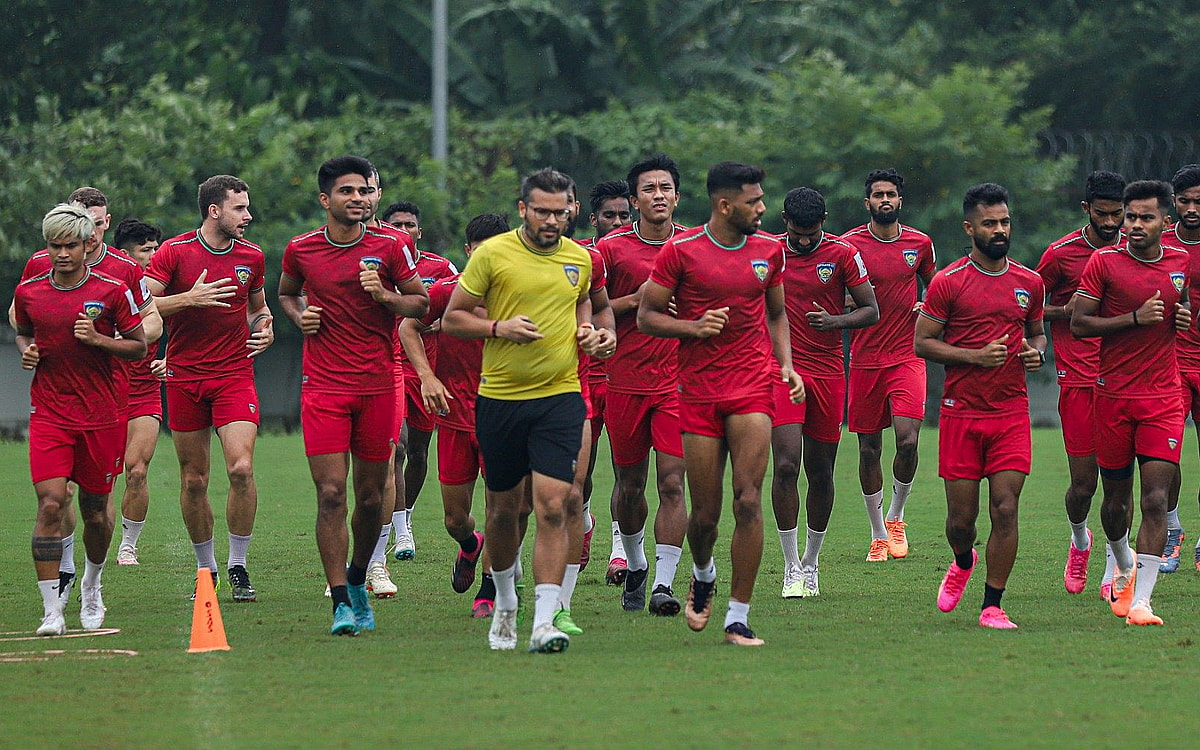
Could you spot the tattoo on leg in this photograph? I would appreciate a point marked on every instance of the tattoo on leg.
(47, 549)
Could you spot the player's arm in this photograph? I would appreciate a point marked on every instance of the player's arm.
(928, 344)
(655, 318)
(460, 320)
(152, 322)
(408, 299)
(1086, 321)
(1183, 311)
(923, 290)
(781, 342)
(434, 394)
(862, 311)
(202, 294)
(1033, 346)
(131, 344)
(12, 314)
(291, 300)
(626, 304)
(260, 322)
(597, 335)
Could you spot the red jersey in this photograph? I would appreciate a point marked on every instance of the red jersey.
(704, 275)
(641, 364)
(894, 266)
(1187, 343)
(460, 363)
(591, 369)
(75, 384)
(977, 307)
(1075, 360)
(820, 276)
(431, 268)
(1137, 362)
(208, 342)
(347, 353)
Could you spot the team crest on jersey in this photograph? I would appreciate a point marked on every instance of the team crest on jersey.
(1172, 442)
(372, 262)
(910, 257)
(428, 281)
(1177, 280)
(242, 273)
(93, 309)
(824, 272)
(1022, 296)
(762, 268)
(572, 273)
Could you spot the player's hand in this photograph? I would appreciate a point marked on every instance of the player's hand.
(820, 319)
(85, 330)
(262, 338)
(918, 307)
(994, 354)
(30, 357)
(519, 330)
(597, 342)
(1031, 358)
(158, 368)
(1069, 308)
(310, 320)
(795, 384)
(1151, 311)
(433, 327)
(435, 397)
(1183, 317)
(370, 282)
(711, 323)
(210, 294)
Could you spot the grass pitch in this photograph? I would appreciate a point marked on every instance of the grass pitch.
(870, 662)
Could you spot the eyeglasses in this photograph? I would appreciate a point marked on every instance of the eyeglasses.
(544, 214)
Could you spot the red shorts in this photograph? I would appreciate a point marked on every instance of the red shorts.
(90, 458)
(364, 425)
(821, 412)
(1075, 403)
(414, 410)
(972, 447)
(599, 404)
(145, 403)
(1190, 391)
(879, 395)
(198, 404)
(401, 402)
(708, 417)
(639, 422)
(1131, 427)
(458, 456)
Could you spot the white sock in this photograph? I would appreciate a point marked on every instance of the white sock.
(588, 521)
(900, 492)
(50, 600)
(737, 612)
(1110, 563)
(91, 573)
(570, 578)
(666, 562)
(618, 547)
(408, 521)
(874, 503)
(380, 553)
(1173, 520)
(1122, 553)
(519, 571)
(545, 603)
(789, 540)
(812, 546)
(204, 555)
(130, 531)
(1147, 576)
(707, 574)
(1079, 535)
(238, 545)
(398, 522)
(635, 554)
(67, 564)
(506, 588)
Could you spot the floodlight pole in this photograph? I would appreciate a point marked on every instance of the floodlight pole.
(440, 88)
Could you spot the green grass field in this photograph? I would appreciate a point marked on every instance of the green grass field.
(872, 662)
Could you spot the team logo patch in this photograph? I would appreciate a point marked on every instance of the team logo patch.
(910, 257)
(572, 273)
(761, 269)
(372, 262)
(93, 309)
(1022, 296)
(1172, 442)
(1177, 280)
(242, 273)
(428, 281)
(824, 272)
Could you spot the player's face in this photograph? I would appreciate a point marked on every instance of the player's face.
(1144, 223)
(66, 253)
(102, 218)
(989, 228)
(884, 202)
(546, 216)
(613, 213)
(348, 201)
(1187, 205)
(655, 196)
(373, 198)
(233, 214)
(142, 252)
(1105, 216)
(803, 239)
(746, 209)
(406, 221)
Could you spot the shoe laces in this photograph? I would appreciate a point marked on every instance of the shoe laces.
(701, 593)
(239, 577)
(809, 574)
(957, 580)
(896, 531)
(1076, 564)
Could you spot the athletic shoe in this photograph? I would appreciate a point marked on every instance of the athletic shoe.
(66, 581)
(585, 555)
(995, 618)
(1075, 574)
(699, 603)
(463, 573)
(239, 584)
(91, 614)
(1141, 614)
(633, 598)
(740, 634)
(379, 582)
(1198, 559)
(563, 621)
(547, 639)
(878, 551)
(954, 582)
(406, 547)
(1121, 598)
(793, 583)
(1106, 591)
(1170, 555)
(663, 602)
(810, 584)
(364, 616)
(127, 555)
(897, 538)
(343, 620)
(53, 624)
(328, 592)
(482, 609)
(617, 568)
(503, 634)
(216, 584)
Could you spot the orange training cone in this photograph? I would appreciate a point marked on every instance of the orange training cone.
(208, 632)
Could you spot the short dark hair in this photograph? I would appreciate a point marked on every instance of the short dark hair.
(485, 226)
(1104, 186)
(606, 191)
(88, 197)
(983, 194)
(212, 191)
(1143, 189)
(340, 166)
(732, 176)
(407, 207)
(1186, 178)
(883, 175)
(132, 232)
(546, 179)
(655, 163)
(804, 207)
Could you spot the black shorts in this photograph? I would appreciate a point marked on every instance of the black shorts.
(540, 434)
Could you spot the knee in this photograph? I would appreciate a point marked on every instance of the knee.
(870, 453)
(51, 507)
(632, 489)
(747, 510)
(820, 481)
(670, 490)
(1154, 500)
(194, 482)
(906, 446)
(331, 497)
(241, 472)
(135, 474)
(1004, 512)
(787, 470)
(552, 512)
(1083, 487)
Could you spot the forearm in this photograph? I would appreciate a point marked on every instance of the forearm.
(936, 350)
(859, 317)
(661, 324)
(170, 304)
(406, 305)
(292, 306)
(781, 339)
(626, 305)
(125, 348)
(414, 348)
(1090, 326)
(1055, 312)
(466, 325)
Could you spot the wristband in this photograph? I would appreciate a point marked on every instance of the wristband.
(262, 316)
(494, 324)
(1135, 323)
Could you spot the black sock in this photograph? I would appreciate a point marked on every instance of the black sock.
(339, 595)
(470, 544)
(966, 560)
(355, 576)
(991, 596)
(487, 589)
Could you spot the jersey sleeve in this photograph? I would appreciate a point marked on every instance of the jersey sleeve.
(668, 268)
(1050, 270)
(291, 264)
(126, 317)
(1037, 303)
(854, 271)
(138, 289)
(405, 262)
(439, 298)
(162, 265)
(259, 275)
(20, 311)
(775, 277)
(476, 277)
(937, 300)
(926, 259)
(1092, 282)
